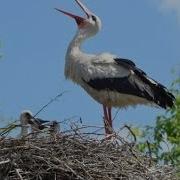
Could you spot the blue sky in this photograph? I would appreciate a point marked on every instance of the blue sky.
(34, 39)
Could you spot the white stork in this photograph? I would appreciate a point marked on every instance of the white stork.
(37, 125)
(54, 129)
(25, 118)
(109, 79)
(27, 121)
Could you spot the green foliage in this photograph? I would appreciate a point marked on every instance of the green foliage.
(163, 140)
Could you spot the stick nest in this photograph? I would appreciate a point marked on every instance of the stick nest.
(76, 157)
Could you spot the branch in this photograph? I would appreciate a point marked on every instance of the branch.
(130, 130)
(51, 101)
(18, 174)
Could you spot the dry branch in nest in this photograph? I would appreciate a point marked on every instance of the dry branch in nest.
(75, 156)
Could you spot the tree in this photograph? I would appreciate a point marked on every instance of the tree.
(163, 140)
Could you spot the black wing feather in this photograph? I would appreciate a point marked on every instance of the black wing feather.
(140, 85)
(41, 121)
(160, 94)
(124, 62)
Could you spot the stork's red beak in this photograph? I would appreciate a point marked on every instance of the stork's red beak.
(79, 20)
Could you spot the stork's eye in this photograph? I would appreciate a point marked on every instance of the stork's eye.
(27, 115)
(93, 18)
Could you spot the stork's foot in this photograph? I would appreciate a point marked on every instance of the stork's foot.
(108, 127)
(110, 137)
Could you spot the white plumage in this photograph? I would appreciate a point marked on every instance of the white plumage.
(25, 118)
(32, 125)
(54, 129)
(112, 81)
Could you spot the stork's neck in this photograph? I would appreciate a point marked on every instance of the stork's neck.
(24, 130)
(74, 48)
(74, 55)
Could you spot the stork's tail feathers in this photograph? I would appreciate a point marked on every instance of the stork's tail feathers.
(163, 97)
(159, 94)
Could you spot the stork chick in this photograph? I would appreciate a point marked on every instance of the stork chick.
(37, 125)
(25, 118)
(54, 129)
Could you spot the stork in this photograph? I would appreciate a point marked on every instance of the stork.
(27, 121)
(37, 125)
(25, 118)
(54, 129)
(110, 80)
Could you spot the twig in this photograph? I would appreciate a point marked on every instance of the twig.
(116, 114)
(8, 128)
(4, 162)
(73, 172)
(149, 151)
(18, 174)
(51, 101)
(130, 130)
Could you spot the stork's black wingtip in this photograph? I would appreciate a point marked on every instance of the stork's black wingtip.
(171, 102)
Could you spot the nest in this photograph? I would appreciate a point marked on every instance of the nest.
(76, 156)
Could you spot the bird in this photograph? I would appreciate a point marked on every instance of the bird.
(25, 118)
(111, 80)
(37, 125)
(54, 129)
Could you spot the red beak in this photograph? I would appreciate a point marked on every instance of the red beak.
(79, 20)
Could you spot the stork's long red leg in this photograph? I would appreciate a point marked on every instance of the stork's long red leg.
(110, 118)
(107, 120)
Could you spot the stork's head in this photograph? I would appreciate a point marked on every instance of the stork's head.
(87, 26)
(26, 117)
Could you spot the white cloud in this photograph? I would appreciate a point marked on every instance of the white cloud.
(172, 5)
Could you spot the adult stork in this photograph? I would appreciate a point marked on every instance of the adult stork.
(109, 79)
